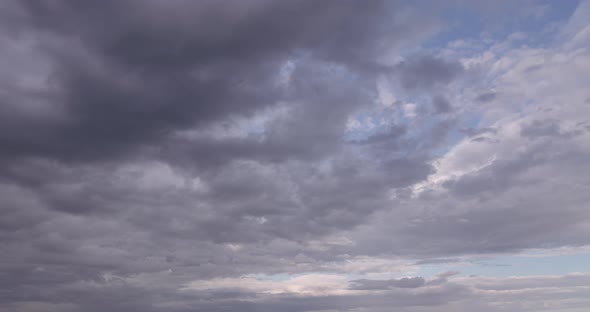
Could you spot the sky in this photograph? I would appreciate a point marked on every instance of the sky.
(294, 156)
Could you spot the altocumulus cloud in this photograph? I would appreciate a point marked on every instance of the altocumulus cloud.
(291, 155)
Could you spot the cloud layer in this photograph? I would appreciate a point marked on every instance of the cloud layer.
(288, 156)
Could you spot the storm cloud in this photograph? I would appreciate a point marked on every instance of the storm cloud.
(285, 156)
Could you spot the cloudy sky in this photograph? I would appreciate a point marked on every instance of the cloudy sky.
(264, 155)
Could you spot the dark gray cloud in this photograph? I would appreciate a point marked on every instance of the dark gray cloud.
(101, 179)
(471, 132)
(154, 68)
(540, 128)
(486, 97)
(490, 209)
(150, 146)
(441, 104)
(425, 72)
(406, 282)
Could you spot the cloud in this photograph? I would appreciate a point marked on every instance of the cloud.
(441, 104)
(540, 128)
(486, 97)
(426, 72)
(181, 156)
(406, 282)
(137, 81)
